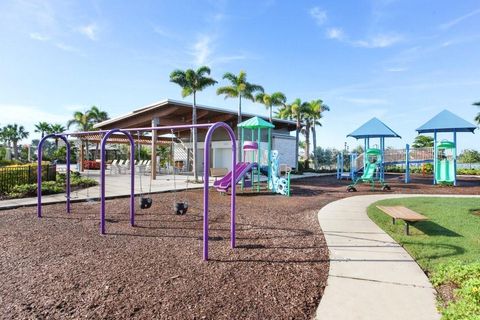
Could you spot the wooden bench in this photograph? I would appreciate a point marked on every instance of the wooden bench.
(403, 213)
(218, 172)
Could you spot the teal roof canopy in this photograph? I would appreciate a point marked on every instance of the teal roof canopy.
(446, 121)
(255, 123)
(374, 128)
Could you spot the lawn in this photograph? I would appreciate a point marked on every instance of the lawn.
(447, 247)
(451, 233)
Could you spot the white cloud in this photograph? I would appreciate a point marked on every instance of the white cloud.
(379, 41)
(90, 31)
(202, 50)
(456, 21)
(39, 37)
(319, 15)
(65, 47)
(335, 33)
(396, 69)
(28, 116)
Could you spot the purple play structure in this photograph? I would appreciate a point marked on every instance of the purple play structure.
(206, 172)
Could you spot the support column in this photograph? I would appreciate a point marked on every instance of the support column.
(407, 163)
(82, 156)
(455, 158)
(435, 155)
(153, 171)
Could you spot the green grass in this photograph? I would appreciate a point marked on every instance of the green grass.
(447, 246)
(453, 231)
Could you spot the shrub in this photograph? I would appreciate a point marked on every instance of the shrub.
(465, 277)
(30, 189)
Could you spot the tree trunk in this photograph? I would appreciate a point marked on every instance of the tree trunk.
(307, 144)
(239, 131)
(271, 116)
(314, 138)
(194, 132)
(15, 149)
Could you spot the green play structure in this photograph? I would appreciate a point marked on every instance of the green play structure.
(445, 167)
(253, 162)
(371, 172)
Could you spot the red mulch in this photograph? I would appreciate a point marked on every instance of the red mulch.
(60, 267)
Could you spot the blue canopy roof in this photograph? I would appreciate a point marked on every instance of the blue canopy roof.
(446, 121)
(374, 128)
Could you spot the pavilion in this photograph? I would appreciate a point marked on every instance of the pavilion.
(372, 129)
(171, 112)
(446, 122)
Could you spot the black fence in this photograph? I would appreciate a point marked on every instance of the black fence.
(13, 176)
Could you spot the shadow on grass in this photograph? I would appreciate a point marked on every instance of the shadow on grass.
(448, 250)
(431, 228)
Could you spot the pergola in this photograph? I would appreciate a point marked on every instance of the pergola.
(448, 122)
(173, 113)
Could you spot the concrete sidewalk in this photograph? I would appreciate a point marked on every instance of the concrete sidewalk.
(371, 276)
(118, 185)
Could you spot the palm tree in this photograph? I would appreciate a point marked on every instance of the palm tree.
(15, 133)
(275, 99)
(295, 111)
(315, 113)
(240, 88)
(96, 115)
(477, 118)
(56, 128)
(191, 81)
(42, 127)
(83, 122)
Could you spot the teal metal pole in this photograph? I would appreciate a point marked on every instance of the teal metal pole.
(269, 156)
(455, 158)
(435, 156)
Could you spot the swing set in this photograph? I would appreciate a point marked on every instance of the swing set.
(180, 207)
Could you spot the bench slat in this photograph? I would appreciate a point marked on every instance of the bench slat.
(403, 213)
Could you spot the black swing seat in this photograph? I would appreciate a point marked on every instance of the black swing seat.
(145, 203)
(181, 208)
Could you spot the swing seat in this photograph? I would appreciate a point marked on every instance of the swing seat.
(181, 208)
(145, 203)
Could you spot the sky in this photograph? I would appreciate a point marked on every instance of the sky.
(401, 61)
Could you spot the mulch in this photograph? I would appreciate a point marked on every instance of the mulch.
(60, 267)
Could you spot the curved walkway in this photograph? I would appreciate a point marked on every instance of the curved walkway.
(371, 276)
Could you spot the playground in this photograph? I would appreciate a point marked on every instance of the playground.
(60, 266)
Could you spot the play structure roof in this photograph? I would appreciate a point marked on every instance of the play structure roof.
(446, 121)
(373, 128)
(255, 123)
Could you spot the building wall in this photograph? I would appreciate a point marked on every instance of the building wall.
(285, 144)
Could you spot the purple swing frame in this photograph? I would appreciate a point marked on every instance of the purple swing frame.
(206, 173)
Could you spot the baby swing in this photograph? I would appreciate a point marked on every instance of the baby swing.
(145, 201)
(180, 207)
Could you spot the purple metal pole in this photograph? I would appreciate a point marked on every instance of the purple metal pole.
(39, 171)
(206, 170)
(102, 177)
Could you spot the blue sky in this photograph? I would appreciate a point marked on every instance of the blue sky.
(401, 61)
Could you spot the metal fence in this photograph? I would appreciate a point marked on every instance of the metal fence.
(13, 176)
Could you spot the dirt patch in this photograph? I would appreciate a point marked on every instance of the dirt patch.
(445, 293)
(59, 266)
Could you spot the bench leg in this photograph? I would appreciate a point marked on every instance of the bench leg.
(393, 220)
(407, 224)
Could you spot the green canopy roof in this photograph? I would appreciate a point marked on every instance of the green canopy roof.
(255, 123)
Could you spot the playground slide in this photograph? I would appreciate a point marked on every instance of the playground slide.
(444, 171)
(241, 169)
(369, 171)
